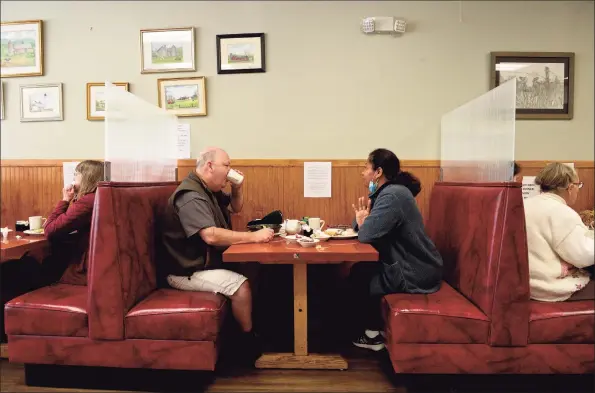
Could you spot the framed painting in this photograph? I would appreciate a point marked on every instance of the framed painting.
(241, 53)
(183, 97)
(96, 99)
(21, 49)
(41, 102)
(167, 50)
(545, 82)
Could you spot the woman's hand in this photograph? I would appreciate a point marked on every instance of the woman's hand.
(362, 210)
(68, 193)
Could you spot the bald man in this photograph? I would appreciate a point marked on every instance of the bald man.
(197, 229)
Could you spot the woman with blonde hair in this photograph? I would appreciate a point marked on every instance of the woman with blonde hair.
(69, 225)
(560, 244)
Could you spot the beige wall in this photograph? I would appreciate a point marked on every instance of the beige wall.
(329, 90)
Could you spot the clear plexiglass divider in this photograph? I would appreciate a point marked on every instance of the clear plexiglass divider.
(140, 139)
(477, 138)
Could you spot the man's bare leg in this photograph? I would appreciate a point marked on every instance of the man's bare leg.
(241, 307)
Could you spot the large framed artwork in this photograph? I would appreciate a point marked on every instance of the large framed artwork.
(42, 102)
(96, 99)
(167, 50)
(545, 82)
(21, 48)
(241, 53)
(183, 97)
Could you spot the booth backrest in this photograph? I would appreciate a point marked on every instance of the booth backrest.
(123, 247)
(479, 229)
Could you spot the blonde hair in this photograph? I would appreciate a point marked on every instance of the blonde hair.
(92, 172)
(556, 176)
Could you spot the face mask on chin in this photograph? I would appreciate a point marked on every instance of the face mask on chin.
(373, 186)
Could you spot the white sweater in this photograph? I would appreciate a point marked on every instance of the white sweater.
(560, 245)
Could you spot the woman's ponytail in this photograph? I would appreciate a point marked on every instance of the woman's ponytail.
(410, 181)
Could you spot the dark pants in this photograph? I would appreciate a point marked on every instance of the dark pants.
(17, 277)
(27, 274)
(364, 306)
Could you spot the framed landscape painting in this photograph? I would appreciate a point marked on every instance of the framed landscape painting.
(545, 82)
(96, 99)
(21, 49)
(41, 102)
(241, 53)
(183, 97)
(167, 50)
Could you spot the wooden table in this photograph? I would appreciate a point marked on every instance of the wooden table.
(13, 248)
(278, 252)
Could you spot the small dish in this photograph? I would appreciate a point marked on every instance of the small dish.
(34, 232)
(290, 238)
(308, 243)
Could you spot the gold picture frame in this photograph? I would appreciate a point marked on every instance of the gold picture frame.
(25, 57)
(184, 97)
(167, 50)
(95, 106)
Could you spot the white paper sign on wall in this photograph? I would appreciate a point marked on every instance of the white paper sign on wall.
(529, 187)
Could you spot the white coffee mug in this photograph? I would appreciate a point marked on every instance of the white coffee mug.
(35, 222)
(316, 223)
(235, 177)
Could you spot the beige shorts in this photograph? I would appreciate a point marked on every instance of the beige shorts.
(220, 281)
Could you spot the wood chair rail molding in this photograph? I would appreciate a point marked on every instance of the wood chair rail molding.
(33, 187)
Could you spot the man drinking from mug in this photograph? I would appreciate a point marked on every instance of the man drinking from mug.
(197, 230)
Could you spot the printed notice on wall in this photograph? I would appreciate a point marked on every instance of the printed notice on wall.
(183, 147)
(68, 172)
(529, 187)
(317, 179)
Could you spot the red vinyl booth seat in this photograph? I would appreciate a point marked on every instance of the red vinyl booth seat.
(481, 321)
(121, 319)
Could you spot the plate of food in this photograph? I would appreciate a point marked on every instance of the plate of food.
(340, 233)
(38, 232)
(320, 235)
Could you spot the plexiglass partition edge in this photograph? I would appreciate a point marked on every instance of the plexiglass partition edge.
(140, 139)
(478, 138)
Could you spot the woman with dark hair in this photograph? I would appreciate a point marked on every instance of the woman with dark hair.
(390, 220)
(516, 172)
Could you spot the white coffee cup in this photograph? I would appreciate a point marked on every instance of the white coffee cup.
(35, 222)
(316, 223)
(235, 177)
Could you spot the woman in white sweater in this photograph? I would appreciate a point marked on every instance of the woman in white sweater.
(560, 245)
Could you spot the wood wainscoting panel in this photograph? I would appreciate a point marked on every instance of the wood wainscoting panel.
(33, 187)
(279, 185)
(29, 191)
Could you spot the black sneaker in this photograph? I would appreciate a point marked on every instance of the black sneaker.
(374, 344)
(252, 348)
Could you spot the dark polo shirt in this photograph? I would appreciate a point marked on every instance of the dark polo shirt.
(195, 213)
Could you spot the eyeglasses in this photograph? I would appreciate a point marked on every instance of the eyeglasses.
(578, 184)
